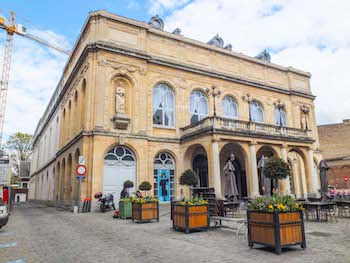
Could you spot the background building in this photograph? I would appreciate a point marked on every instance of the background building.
(5, 171)
(335, 145)
(138, 103)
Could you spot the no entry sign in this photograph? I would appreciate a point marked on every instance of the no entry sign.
(81, 171)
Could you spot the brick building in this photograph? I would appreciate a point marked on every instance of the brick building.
(335, 144)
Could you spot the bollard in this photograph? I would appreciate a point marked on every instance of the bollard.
(75, 209)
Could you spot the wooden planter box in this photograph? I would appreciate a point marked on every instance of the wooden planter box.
(277, 230)
(125, 210)
(145, 212)
(190, 217)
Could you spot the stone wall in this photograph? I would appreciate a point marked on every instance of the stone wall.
(335, 145)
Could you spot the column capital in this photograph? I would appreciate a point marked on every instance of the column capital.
(284, 145)
(253, 142)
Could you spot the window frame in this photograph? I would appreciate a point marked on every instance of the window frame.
(280, 111)
(259, 106)
(201, 116)
(228, 97)
(163, 110)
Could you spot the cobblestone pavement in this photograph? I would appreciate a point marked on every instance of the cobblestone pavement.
(43, 234)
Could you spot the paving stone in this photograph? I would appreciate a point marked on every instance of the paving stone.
(44, 234)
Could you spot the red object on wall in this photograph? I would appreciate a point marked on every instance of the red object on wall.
(345, 178)
(5, 195)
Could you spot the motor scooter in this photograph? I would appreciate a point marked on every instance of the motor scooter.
(106, 201)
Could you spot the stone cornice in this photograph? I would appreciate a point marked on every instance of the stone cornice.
(160, 61)
(169, 35)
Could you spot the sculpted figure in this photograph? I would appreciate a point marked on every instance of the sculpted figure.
(120, 99)
(231, 191)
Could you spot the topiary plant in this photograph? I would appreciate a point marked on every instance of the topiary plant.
(145, 186)
(189, 178)
(276, 168)
(128, 184)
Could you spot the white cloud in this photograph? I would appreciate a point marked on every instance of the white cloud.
(159, 6)
(310, 35)
(35, 72)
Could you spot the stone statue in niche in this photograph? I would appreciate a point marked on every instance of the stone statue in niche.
(120, 120)
(120, 99)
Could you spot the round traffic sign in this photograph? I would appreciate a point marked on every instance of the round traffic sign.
(81, 169)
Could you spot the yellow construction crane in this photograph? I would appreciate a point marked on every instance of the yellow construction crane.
(12, 28)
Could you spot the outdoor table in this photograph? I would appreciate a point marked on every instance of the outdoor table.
(319, 206)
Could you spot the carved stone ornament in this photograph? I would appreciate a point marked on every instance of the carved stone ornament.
(183, 84)
(264, 56)
(123, 68)
(120, 121)
(156, 22)
(216, 41)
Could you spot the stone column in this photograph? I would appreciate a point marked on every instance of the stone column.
(254, 185)
(313, 175)
(216, 169)
(286, 182)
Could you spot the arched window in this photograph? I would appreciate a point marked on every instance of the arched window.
(280, 117)
(229, 108)
(257, 112)
(118, 155)
(198, 106)
(163, 105)
(164, 177)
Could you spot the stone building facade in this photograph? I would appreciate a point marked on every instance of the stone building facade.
(138, 103)
(335, 145)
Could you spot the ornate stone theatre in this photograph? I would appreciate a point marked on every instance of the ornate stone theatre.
(142, 104)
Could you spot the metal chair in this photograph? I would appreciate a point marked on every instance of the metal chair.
(328, 212)
(310, 212)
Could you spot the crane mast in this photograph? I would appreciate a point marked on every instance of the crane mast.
(10, 28)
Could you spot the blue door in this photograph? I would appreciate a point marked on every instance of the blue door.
(163, 186)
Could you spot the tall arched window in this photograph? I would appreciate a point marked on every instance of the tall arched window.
(257, 112)
(229, 108)
(280, 117)
(164, 177)
(198, 106)
(163, 105)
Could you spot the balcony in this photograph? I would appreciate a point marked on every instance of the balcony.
(244, 128)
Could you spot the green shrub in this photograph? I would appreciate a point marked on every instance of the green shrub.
(128, 184)
(276, 168)
(189, 178)
(275, 203)
(145, 186)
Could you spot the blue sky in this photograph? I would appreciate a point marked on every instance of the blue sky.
(293, 31)
(67, 17)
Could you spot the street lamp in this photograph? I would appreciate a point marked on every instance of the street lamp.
(249, 100)
(280, 106)
(214, 94)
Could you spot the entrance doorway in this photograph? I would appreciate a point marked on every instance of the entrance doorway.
(119, 166)
(164, 177)
(200, 166)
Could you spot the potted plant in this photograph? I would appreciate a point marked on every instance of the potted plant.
(125, 207)
(125, 202)
(145, 209)
(276, 222)
(190, 213)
